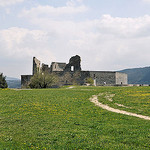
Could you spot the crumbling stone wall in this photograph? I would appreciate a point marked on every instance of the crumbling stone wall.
(55, 66)
(68, 76)
(25, 80)
(36, 66)
(45, 68)
(74, 62)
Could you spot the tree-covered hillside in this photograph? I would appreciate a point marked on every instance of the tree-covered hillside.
(138, 75)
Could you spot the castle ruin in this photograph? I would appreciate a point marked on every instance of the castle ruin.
(72, 69)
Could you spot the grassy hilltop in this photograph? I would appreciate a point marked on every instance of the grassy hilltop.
(66, 119)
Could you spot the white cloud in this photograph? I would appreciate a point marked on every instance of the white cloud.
(73, 2)
(125, 27)
(9, 2)
(148, 1)
(20, 42)
(17, 45)
(50, 11)
(108, 43)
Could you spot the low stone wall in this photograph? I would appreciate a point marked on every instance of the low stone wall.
(25, 80)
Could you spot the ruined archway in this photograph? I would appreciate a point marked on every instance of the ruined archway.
(74, 64)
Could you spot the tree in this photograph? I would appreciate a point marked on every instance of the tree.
(3, 83)
(66, 78)
(89, 81)
(43, 80)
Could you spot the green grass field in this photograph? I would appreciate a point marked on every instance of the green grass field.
(65, 119)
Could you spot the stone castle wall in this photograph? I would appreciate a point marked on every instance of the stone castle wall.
(36, 65)
(64, 71)
(57, 66)
(103, 77)
(25, 80)
(121, 78)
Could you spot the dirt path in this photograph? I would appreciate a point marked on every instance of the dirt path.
(70, 87)
(94, 99)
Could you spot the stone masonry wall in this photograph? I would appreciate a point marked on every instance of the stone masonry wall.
(56, 66)
(121, 78)
(36, 65)
(63, 70)
(25, 80)
(103, 77)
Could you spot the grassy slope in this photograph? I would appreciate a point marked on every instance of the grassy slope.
(136, 98)
(66, 119)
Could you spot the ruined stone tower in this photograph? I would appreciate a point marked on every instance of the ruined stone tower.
(36, 65)
(74, 64)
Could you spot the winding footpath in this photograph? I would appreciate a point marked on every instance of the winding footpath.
(94, 99)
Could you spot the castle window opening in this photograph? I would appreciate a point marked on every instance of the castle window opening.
(72, 68)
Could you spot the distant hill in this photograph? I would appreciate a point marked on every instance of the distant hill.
(11, 78)
(138, 75)
(13, 82)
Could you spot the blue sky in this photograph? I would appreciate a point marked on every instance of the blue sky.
(107, 34)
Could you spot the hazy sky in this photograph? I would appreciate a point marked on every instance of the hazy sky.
(108, 34)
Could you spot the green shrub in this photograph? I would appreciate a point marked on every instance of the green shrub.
(43, 80)
(89, 81)
(3, 83)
